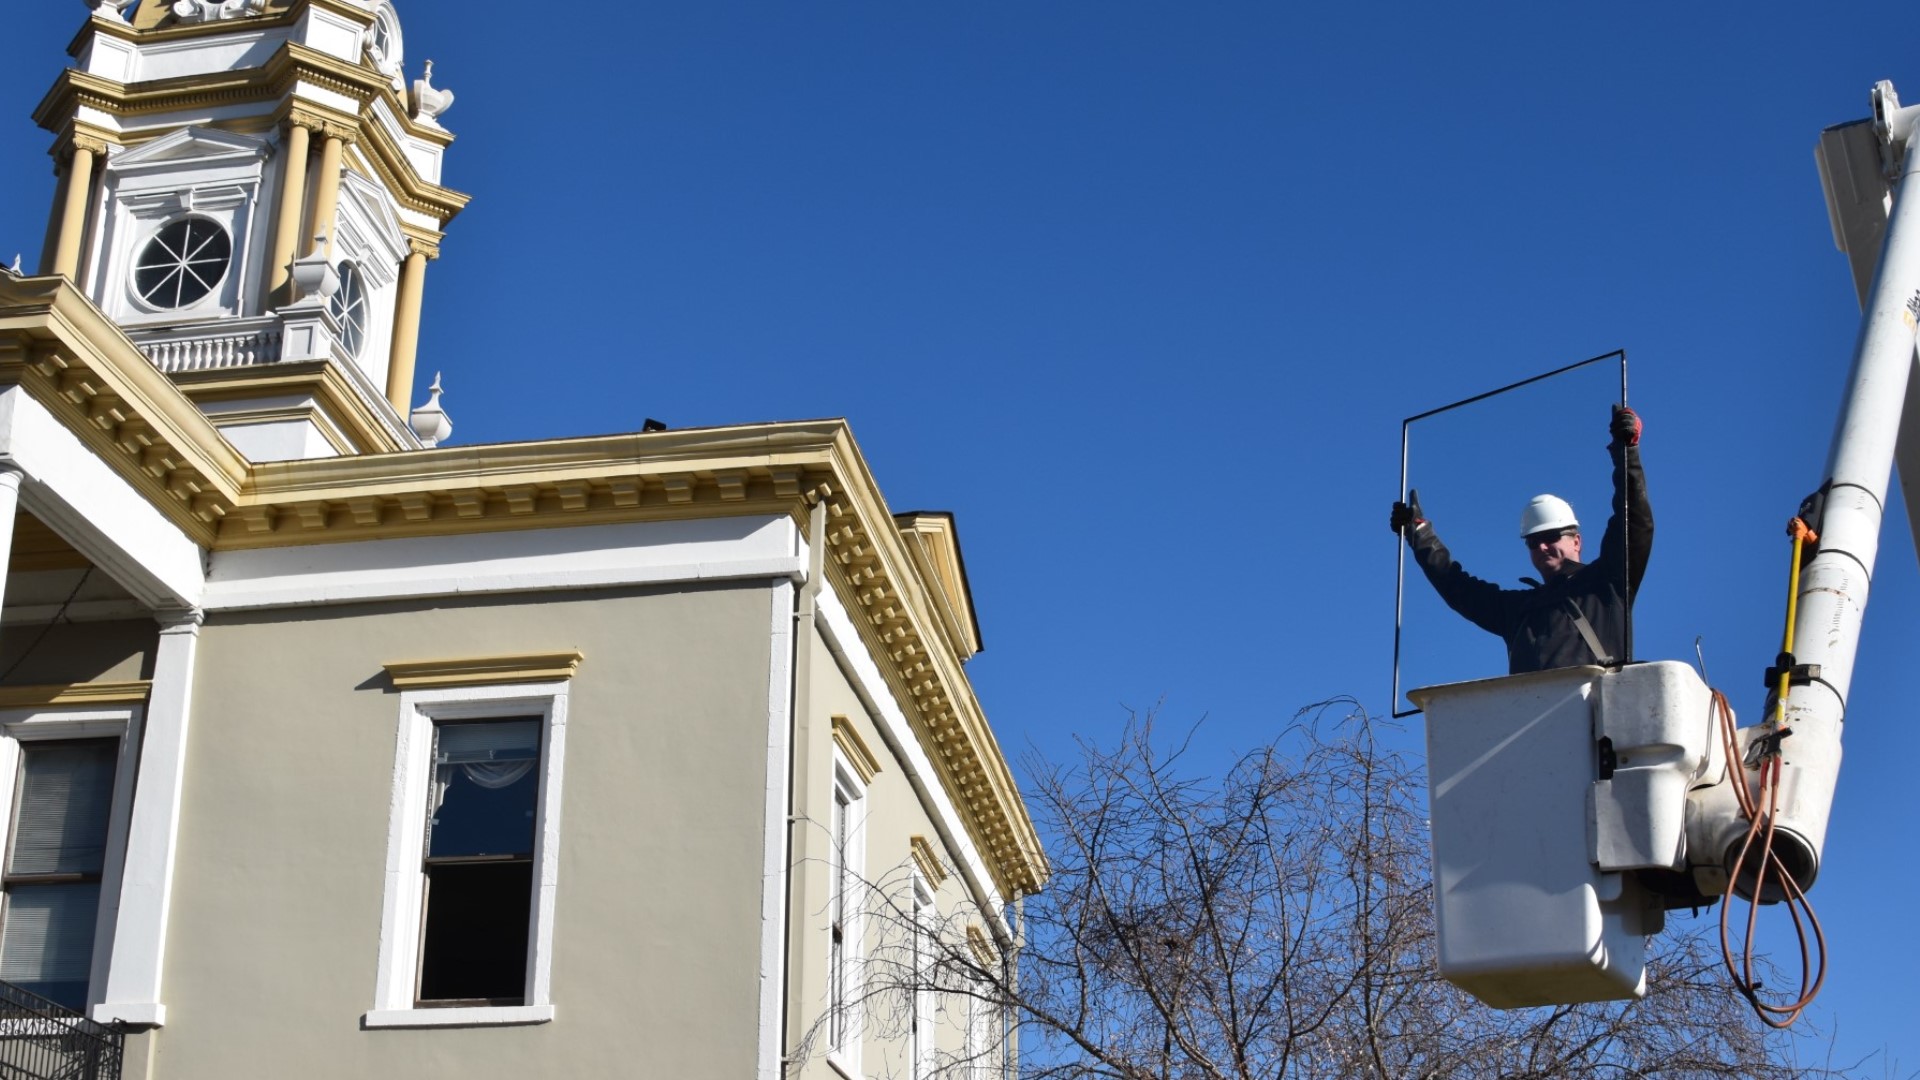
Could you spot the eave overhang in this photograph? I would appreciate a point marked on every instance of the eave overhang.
(58, 347)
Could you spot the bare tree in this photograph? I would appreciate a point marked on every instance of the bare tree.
(1273, 922)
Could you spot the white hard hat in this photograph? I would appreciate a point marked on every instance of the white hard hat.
(1546, 512)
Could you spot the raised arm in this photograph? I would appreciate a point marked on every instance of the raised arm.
(1630, 539)
(1482, 603)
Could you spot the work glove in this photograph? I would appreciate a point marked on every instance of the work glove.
(1625, 427)
(1407, 514)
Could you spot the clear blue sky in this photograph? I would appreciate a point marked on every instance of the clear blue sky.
(1142, 291)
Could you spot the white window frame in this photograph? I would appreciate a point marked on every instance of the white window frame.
(54, 724)
(400, 913)
(921, 1038)
(844, 1055)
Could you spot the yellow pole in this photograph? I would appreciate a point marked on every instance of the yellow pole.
(406, 330)
(286, 225)
(1799, 531)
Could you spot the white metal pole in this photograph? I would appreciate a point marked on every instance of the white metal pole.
(1835, 584)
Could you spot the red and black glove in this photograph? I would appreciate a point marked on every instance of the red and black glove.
(1407, 514)
(1625, 427)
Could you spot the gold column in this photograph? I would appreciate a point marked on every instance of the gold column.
(406, 330)
(54, 213)
(73, 213)
(286, 225)
(326, 195)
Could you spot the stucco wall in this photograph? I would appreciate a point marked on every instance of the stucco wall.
(272, 949)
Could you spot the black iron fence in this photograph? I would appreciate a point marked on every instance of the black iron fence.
(45, 1040)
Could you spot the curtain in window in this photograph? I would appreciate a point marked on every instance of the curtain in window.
(492, 756)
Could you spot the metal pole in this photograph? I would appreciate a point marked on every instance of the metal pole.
(1626, 532)
(1399, 581)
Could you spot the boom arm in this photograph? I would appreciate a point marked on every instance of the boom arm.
(1835, 585)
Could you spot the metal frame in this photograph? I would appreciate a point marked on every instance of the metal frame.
(1400, 548)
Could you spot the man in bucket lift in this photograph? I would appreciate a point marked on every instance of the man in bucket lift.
(1578, 614)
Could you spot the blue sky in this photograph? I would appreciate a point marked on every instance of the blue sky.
(1142, 292)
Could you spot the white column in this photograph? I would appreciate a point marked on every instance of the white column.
(146, 884)
(10, 477)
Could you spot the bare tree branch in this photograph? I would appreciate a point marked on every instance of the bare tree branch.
(1273, 922)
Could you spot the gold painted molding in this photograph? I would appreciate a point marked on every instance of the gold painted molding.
(855, 748)
(927, 860)
(132, 692)
(71, 358)
(475, 670)
(983, 950)
(933, 543)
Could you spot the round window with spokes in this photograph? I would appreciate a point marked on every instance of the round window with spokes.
(349, 307)
(183, 262)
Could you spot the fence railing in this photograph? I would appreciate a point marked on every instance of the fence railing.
(225, 344)
(44, 1040)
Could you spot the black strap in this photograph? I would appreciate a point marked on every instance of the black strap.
(1581, 624)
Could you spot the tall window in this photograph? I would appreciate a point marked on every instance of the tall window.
(478, 862)
(56, 855)
(349, 308)
(837, 922)
(922, 1047)
(848, 861)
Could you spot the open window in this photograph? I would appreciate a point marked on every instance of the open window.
(478, 864)
(472, 857)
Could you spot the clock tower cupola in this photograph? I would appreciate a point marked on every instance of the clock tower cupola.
(252, 190)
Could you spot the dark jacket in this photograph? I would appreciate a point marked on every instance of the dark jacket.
(1536, 623)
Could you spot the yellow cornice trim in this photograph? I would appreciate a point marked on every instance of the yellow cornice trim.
(131, 692)
(72, 359)
(473, 670)
(927, 860)
(870, 567)
(854, 749)
(983, 949)
(934, 545)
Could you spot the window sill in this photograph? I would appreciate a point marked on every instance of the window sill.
(135, 1014)
(475, 1016)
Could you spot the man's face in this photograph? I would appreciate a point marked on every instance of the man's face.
(1554, 552)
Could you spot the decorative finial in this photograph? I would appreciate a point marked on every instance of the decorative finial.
(428, 101)
(111, 9)
(15, 268)
(430, 421)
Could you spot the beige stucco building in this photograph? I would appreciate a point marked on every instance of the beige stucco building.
(328, 747)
